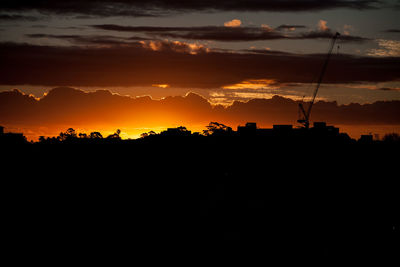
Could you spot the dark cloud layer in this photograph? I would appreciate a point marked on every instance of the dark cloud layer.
(228, 34)
(177, 64)
(289, 27)
(163, 7)
(68, 105)
(13, 17)
(393, 31)
(215, 33)
(327, 34)
(89, 39)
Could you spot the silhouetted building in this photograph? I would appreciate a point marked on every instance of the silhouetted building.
(322, 129)
(11, 138)
(319, 124)
(282, 127)
(282, 130)
(366, 138)
(319, 131)
(265, 132)
(251, 125)
(249, 129)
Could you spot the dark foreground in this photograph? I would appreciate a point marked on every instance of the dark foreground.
(213, 201)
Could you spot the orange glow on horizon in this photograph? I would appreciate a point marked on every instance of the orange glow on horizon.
(33, 133)
(104, 112)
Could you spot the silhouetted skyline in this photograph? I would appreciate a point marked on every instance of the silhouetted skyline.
(283, 134)
(101, 110)
(284, 194)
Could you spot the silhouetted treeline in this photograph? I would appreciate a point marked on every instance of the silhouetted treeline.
(184, 196)
(70, 136)
(213, 130)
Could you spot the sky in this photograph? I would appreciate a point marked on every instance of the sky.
(224, 51)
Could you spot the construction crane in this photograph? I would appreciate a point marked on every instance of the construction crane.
(305, 115)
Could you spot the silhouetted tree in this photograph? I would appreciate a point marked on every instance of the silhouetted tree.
(115, 135)
(182, 129)
(215, 128)
(95, 135)
(83, 135)
(68, 135)
(144, 135)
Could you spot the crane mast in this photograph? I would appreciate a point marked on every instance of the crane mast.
(306, 114)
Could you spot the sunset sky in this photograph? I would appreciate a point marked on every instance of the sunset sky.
(221, 50)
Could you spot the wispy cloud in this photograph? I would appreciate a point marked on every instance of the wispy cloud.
(252, 84)
(92, 40)
(179, 64)
(104, 8)
(231, 33)
(14, 17)
(387, 48)
(393, 30)
(347, 28)
(176, 46)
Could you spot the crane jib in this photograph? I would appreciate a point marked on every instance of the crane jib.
(306, 115)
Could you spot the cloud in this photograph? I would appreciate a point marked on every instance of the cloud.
(324, 32)
(327, 34)
(122, 28)
(285, 27)
(387, 48)
(215, 33)
(176, 46)
(389, 89)
(227, 34)
(233, 23)
(12, 17)
(252, 84)
(393, 30)
(267, 28)
(161, 85)
(72, 107)
(133, 42)
(65, 105)
(347, 28)
(322, 25)
(166, 7)
(266, 51)
(95, 40)
(178, 64)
